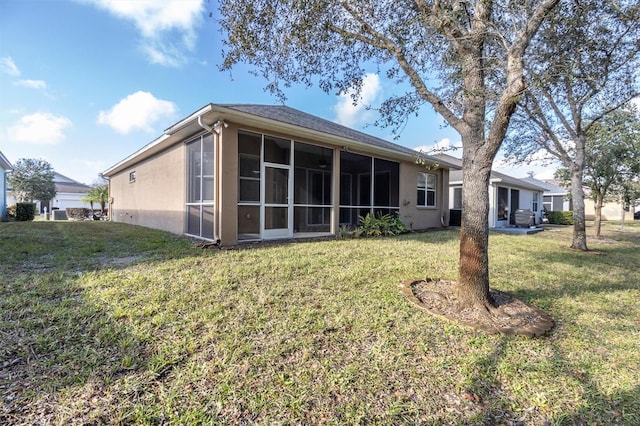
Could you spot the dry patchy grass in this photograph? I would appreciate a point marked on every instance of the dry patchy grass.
(109, 323)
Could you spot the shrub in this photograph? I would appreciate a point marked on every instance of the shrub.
(375, 226)
(560, 218)
(78, 213)
(25, 211)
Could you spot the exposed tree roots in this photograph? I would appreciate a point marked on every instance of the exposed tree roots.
(509, 316)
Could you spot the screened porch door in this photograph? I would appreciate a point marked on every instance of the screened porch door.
(278, 202)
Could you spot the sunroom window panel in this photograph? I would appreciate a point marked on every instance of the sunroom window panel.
(248, 222)
(193, 220)
(249, 191)
(207, 222)
(277, 150)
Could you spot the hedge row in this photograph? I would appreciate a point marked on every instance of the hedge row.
(25, 211)
(560, 218)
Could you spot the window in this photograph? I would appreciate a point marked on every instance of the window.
(249, 149)
(503, 200)
(457, 198)
(132, 177)
(312, 186)
(367, 185)
(427, 190)
(535, 202)
(200, 187)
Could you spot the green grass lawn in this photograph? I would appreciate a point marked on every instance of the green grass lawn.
(109, 323)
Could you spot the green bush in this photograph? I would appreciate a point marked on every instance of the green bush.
(378, 225)
(25, 212)
(560, 218)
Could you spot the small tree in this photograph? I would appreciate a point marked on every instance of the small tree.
(99, 193)
(612, 160)
(32, 179)
(582, 67)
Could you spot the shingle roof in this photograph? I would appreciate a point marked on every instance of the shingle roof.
(288, 115)
(549, 187)
(4, 162)
(456, 176)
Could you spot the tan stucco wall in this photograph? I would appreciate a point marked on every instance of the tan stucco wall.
(157, 198)
(227, 175)
(415, 217)
(610, 211)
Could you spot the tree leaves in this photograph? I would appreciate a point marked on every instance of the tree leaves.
(32, 179)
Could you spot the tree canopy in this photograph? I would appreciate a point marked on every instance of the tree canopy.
(582, 66)
(612, 161)
(32, 179)
(464, 58)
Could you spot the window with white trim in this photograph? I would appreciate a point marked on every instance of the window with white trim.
(200, 187)
(427, 189)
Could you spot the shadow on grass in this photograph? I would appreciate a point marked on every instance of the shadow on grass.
(490, 401)
(54, 339)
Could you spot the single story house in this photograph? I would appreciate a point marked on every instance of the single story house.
(5, 168)
(69, 193)
(554, 198)
(507, 194)
(240, 172)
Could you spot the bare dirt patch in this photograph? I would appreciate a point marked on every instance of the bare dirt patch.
(512, 316)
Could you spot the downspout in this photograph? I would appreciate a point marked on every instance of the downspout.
(218, 222)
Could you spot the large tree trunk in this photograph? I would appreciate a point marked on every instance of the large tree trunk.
(472, 288)
(598, 218)
(577, 195)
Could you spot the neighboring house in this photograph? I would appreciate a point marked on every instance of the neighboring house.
(611, 210)
(234, 173)
(5, 168)
(555, 198)
(506, 195)
(69, 193)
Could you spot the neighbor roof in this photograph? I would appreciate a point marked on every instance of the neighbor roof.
(68, 185)
(549, 187)
(455, 176)
(272, 117)
(4, 163)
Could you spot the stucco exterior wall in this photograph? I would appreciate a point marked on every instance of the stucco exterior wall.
(227, 175)
(415, 217)
(157, 197)
(610, 211)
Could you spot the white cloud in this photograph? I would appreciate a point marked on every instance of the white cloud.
(139, 110)
(168, 28)
(32, 84)
(349, 114)
(9, 67)
(39, 129)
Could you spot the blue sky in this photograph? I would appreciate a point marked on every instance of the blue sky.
(84, 84)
